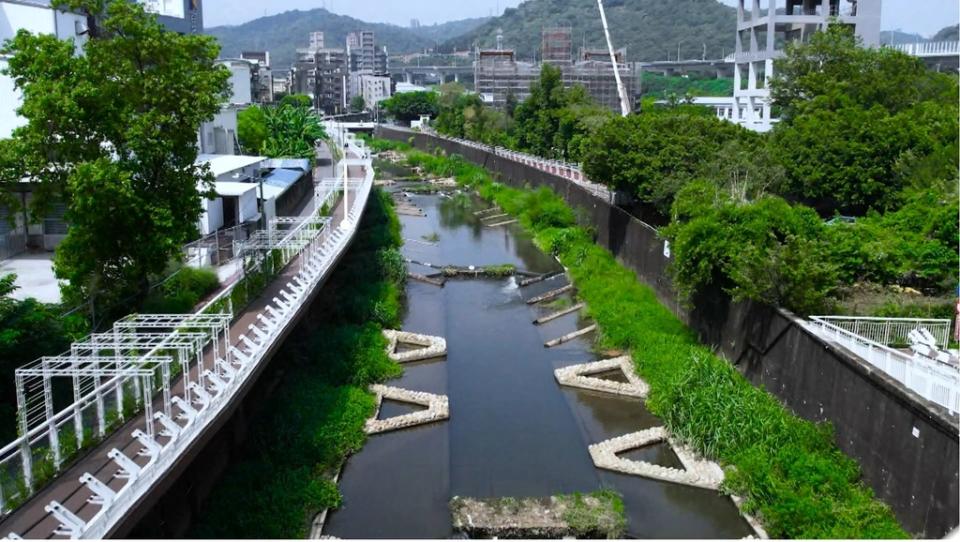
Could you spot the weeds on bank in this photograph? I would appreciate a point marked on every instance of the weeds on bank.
(315, 417)
(790, 471)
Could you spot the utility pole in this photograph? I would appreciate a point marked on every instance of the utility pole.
(624, 99)
(345, 223)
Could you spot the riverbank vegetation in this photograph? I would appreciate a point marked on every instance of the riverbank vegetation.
(852, 192)
(314, 418)
(791, 473)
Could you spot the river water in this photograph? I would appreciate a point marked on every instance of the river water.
(513, 431)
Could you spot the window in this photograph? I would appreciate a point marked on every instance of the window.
(166, 8)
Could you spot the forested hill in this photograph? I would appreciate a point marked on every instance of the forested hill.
(281, 34)
(650, 29)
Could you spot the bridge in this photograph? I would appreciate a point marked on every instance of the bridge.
(938, 56)
(442, 74)
(149, 392)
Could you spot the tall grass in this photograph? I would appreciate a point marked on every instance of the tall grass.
(314, 419)
(789, 470)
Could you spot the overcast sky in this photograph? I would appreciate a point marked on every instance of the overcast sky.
(921, 16)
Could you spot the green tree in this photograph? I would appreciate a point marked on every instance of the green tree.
(861, 124)
(292, 131)
(765, 250)
(358, 104)
(112, 132)
(252, 129)
(654, 154)
(408, 106)
(296, 100)
(29, 329)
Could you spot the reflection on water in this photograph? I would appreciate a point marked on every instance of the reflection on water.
(512, 430)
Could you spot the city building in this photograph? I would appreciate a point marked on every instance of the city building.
(261, 80)
(331, 81)
(374, 88)
(764, 27)
(498, 74)
(241, 78)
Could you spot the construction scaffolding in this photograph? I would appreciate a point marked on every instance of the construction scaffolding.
(498, 74)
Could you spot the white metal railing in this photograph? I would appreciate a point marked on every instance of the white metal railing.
(932, 380)
(936, 48)
(209, 397)
(891, 331)
(571, 172)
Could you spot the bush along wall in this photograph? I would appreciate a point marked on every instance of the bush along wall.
(314, 419)
(790, 471)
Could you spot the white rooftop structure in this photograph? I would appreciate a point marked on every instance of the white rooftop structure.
(227, 164)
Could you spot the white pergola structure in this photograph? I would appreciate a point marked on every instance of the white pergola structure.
(139, 356)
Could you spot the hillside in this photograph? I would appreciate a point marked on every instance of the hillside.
(950, 33)
(442, 32)
(896, 37)
(650, 29)
(282, 34)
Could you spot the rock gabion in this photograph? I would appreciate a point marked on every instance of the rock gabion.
(580, 376)
(430, 346)
(696, 472)
(438, 408)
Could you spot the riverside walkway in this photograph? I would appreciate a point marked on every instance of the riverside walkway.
(166, 382)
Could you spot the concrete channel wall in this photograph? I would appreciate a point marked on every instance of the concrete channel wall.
(908, 448)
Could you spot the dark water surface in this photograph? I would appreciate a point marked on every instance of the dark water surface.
(512, 430)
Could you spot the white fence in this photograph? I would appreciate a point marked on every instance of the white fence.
(937, 48)
(566, 170)
(206, 399)
(891, 331)
(932, 380)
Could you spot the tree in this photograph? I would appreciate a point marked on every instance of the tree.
(861, 124)
(408, 106)
(292, 131)
(296, 100)
(112, 133)
(28, 330)
(252, 129)
(358, 104)
(654, 154)
(765, 250)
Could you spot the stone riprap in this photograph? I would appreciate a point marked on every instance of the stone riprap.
(431, 347)
(581, 376)
(696, 471)
(438, 408)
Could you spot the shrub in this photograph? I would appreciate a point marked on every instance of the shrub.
(181, 293)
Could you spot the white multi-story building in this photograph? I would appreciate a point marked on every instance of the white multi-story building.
(764, 27)
(373, 88)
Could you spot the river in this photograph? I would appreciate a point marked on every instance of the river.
(513, 431)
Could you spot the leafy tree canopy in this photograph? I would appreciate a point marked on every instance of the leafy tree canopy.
(653, 154)
(252, 129)
(861, 124)
(296, 100)
(408, 106)
(112, 132)
(358, 104)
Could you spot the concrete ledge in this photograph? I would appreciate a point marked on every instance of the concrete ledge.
(580, 376)
(432, 347)
(438, 408)
(697, 472)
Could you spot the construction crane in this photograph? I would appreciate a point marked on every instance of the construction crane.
(624, 99)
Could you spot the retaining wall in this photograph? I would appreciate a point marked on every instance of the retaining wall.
(908, 448)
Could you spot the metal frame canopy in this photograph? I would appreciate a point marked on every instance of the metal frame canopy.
(135, 357)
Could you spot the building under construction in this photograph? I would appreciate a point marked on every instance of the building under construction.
(498, 73)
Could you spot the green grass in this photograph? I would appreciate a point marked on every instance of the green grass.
(315, 417)
(789, 470)
(594, 515)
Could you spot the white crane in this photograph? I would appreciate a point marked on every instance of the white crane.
(624, 99)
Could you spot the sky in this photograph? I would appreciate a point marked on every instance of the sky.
(906, 15)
